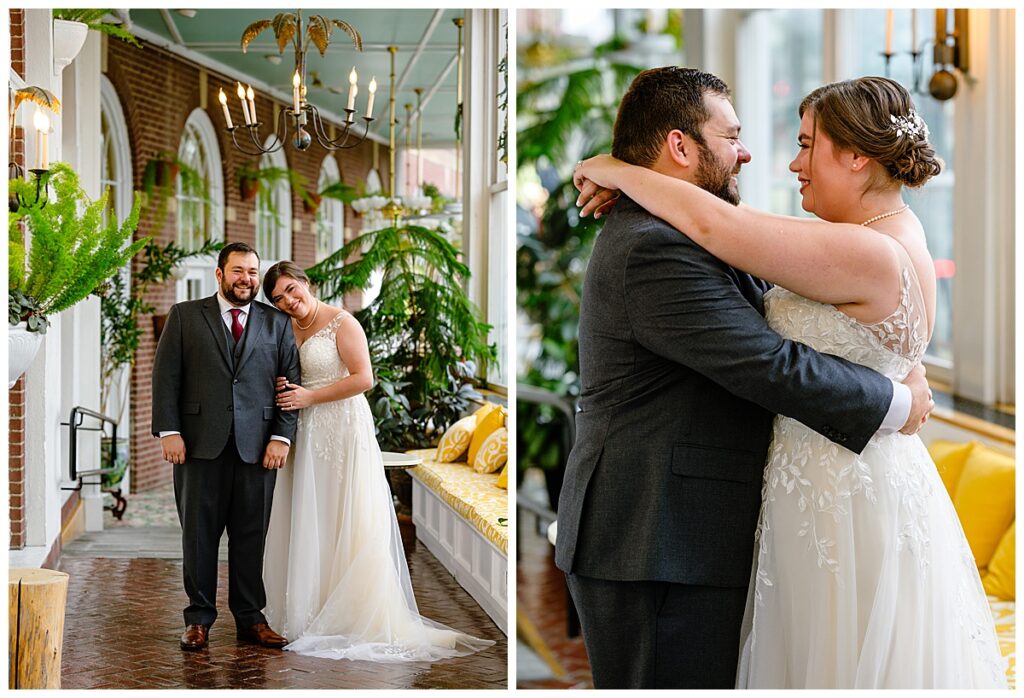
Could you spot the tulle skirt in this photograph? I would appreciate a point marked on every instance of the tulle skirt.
(335, 572)
(862, 576)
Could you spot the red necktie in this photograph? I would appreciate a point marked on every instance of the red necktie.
(236, 326)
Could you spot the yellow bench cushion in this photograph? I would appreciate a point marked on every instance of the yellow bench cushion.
(985, 500)
(1004, 615)
(949, 457)
(474, 496)
(1000, 579)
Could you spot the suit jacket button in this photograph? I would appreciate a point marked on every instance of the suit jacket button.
(231, 408)
(235, 381)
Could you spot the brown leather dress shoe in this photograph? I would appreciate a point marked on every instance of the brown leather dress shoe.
(195, 637)
(261, 634)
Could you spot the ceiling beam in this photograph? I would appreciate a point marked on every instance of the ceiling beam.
(432, 91)
(172, 27)
(427, 33)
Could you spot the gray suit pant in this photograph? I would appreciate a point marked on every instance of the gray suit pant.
(658, 634)
(214, 495)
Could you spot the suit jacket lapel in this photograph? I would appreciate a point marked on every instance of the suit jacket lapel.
(211, 312)
(253, 333)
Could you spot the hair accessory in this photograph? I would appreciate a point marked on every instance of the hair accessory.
(910, 125)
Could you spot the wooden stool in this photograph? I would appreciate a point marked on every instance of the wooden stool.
(36, 599)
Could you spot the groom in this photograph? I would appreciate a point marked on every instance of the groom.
(214, 411)
(682, 378)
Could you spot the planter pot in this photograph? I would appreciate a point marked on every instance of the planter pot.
(68, 39)
(22, 347)
(166, 173)
(158, 326)
(312, 205)
(248, 188)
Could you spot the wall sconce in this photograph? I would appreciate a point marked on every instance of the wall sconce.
(952, 51)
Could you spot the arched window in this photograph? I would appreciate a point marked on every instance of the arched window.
(200, 214)
(115, 153)
(274, 213)
(330, 217)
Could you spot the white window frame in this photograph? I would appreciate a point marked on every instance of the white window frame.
(332, 211)
(282, 238)
(110, 107)
(197, 273)
(485, 203)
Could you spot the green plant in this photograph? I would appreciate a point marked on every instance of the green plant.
(162, 179)
(566, 114)
(120, 307)
(94, 20)
(502, 145)
(438, 200)
(255, 181)
(424, 333)
(72, 251)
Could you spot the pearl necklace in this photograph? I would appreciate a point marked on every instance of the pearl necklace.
(880, 216)
(315, 313)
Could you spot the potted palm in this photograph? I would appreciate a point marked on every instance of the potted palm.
(72, 253)
(424, 333)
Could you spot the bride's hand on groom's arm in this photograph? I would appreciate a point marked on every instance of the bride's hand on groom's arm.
(293, 397)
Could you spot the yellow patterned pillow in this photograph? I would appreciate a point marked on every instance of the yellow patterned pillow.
(485, 410)
(503, 478)
(1000, 580)
(456, 440)
(493, 452)
(949, 457)
(484, 428)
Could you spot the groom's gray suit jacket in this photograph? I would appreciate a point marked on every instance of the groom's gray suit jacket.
(681, 380)
(208, 389)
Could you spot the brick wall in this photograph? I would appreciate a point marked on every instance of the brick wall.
(16, 396)
(158, 91)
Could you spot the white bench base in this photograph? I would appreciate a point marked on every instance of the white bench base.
(475, 562)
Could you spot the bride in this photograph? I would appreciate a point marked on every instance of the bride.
(335, 572)
(862, 576)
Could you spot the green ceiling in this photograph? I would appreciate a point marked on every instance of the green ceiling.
(216, 34)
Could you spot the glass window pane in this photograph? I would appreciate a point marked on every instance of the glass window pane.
(933, 203)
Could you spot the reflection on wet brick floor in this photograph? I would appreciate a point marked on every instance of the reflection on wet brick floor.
(123, 622)
(541, 596)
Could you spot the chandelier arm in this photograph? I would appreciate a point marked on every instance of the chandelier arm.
(234, 140)
(341, 142)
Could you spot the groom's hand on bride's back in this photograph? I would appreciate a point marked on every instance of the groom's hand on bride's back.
(921, 400)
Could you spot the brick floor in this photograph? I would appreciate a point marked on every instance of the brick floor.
(123, 622)
(540, 593)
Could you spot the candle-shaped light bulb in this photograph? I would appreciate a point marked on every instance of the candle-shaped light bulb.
(352, 78)
(913, 31)
(296, 82)
(369, 101)
(42, 124)
(223, 99)
(245, 106)
(251, 96)
(888, 32)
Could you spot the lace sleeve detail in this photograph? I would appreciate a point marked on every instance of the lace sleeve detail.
(905, 331)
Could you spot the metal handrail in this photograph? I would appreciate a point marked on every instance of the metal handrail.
(74, 422)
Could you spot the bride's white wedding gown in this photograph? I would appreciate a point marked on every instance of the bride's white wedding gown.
(862, 577)
(336, 578)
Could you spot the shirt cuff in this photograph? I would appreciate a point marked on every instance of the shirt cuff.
(168, 433)
(289, 441)
(899, 409)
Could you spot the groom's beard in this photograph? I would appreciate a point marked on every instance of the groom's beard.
(239, 295)
(714, 177)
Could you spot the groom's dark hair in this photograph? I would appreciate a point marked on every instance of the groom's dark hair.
(658, 101)
(239, 247)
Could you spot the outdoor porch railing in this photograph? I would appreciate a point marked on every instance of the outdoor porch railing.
(74, 423)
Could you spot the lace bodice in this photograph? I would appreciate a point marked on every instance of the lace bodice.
(319, 358)
(892, 346)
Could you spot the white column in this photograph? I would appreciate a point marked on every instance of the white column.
(984, 213)
(81, 343)
(478, 153)
(753, 99)
(43, 379)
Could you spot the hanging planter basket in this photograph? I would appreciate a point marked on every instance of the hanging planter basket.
(68, 39)
(22, 347)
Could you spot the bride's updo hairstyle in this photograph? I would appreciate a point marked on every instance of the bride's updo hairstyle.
(274, 274)
(875, 117)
